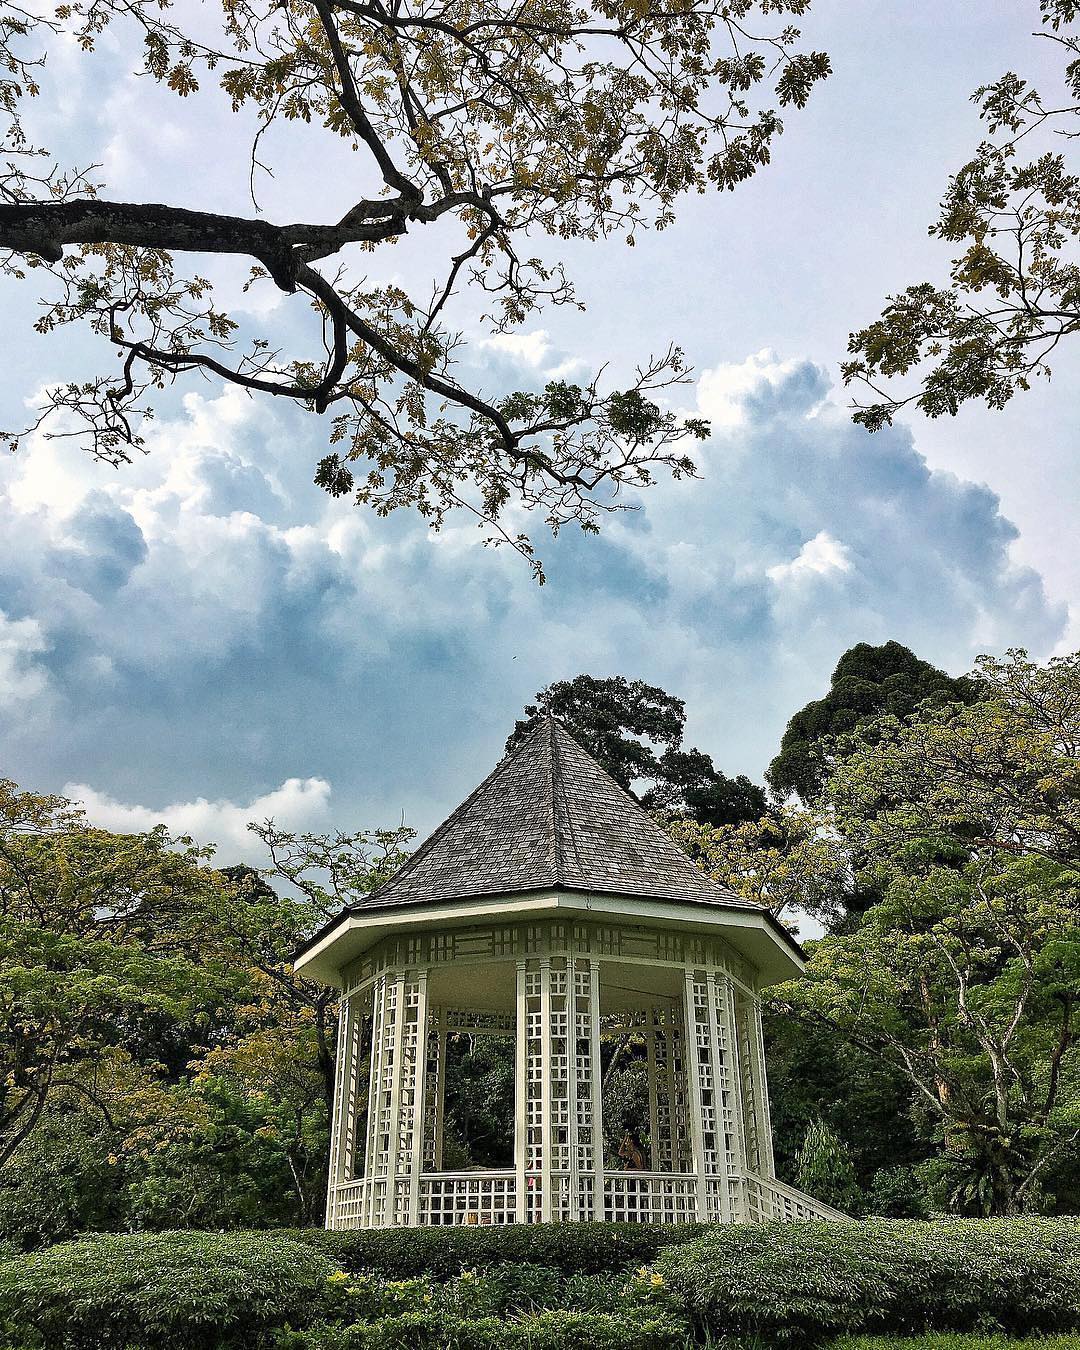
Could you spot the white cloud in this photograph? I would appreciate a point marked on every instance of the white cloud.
(817, 558)
(723, 392)
(529, 348)
(21, 642)
(298, 804)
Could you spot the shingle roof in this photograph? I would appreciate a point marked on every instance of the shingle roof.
(548, 817)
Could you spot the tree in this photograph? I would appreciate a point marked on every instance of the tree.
(965, 976)
(823, 1168)
(1012, 213)
(622, 723)
(869, 682)
(477, 126)
(789, 862)
(103, 947)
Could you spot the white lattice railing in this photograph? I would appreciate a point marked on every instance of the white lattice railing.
(767, 1198)
(629, 1197)
(468, 1197)
(649, 1197)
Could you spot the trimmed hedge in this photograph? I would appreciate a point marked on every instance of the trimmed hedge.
(573, 1248)
(185, 1291)
(578, 1287)
(800, 1284)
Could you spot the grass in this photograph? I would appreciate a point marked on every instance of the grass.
(947, 1340)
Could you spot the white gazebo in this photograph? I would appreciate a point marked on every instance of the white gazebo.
(548, 907)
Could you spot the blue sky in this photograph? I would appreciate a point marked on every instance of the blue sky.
(203, 637)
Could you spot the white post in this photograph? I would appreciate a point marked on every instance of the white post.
(375, 1104)
(545, 1089)
(597, 1095)
(761, 1088)
(690, 1060)
(344, 1108)
(721, 1080)
(572, 1088)
(521, 1094)
(419, 1076)
(729, 1092)
(397, 1058)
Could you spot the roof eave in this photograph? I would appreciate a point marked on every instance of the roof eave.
(755, 933)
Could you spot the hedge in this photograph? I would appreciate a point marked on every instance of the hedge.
(800, 1284)
(546, 1288)
(185, 1291)
(586, 1248)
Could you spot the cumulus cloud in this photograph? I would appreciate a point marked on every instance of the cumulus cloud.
(817, 558)
(205, 624)
(298, 804)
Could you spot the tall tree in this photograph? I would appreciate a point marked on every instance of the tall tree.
(105, 943)
(965, 976)
(868, 683)
(635, 730)
(1012, 217)
(478, 126)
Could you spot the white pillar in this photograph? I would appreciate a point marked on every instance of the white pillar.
(343, 1127)
(692, 1061)
(521, 1096)
(417, 1069)
(597, 1096)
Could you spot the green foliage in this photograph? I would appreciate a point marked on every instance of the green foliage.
(800, 1284)
(964, 976)
(1012, 215)
(634, 731)
(956, 1341)
(553, 1329)
(824, 1169)
(201, 1291)
(573, 1249)
(868, 683)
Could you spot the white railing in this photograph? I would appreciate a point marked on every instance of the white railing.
(490, 1197)
(766, 1198)
(649, 1197)
(468, 1197)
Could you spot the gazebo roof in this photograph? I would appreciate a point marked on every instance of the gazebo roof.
(549, 830)
(548, 817)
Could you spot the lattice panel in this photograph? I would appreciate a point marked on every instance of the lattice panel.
(434, 1071)
(468, 1199)
(640, 1198)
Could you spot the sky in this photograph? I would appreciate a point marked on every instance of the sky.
(204, 638)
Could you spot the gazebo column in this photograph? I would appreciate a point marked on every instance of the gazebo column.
(343, 1133)
(558, 1141)
(398, 1059)
(756, 1119)
(715, 1099)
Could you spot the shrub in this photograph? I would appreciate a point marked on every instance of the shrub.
(798, 1284)
(196, 1291)
(550, 1330)
(573, 1248)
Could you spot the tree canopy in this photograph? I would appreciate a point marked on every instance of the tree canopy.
(1012, 217)
(965, 975)
(635, 730)
(869, 682)
(478, 127)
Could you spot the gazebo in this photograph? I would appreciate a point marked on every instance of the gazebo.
(550, 907)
